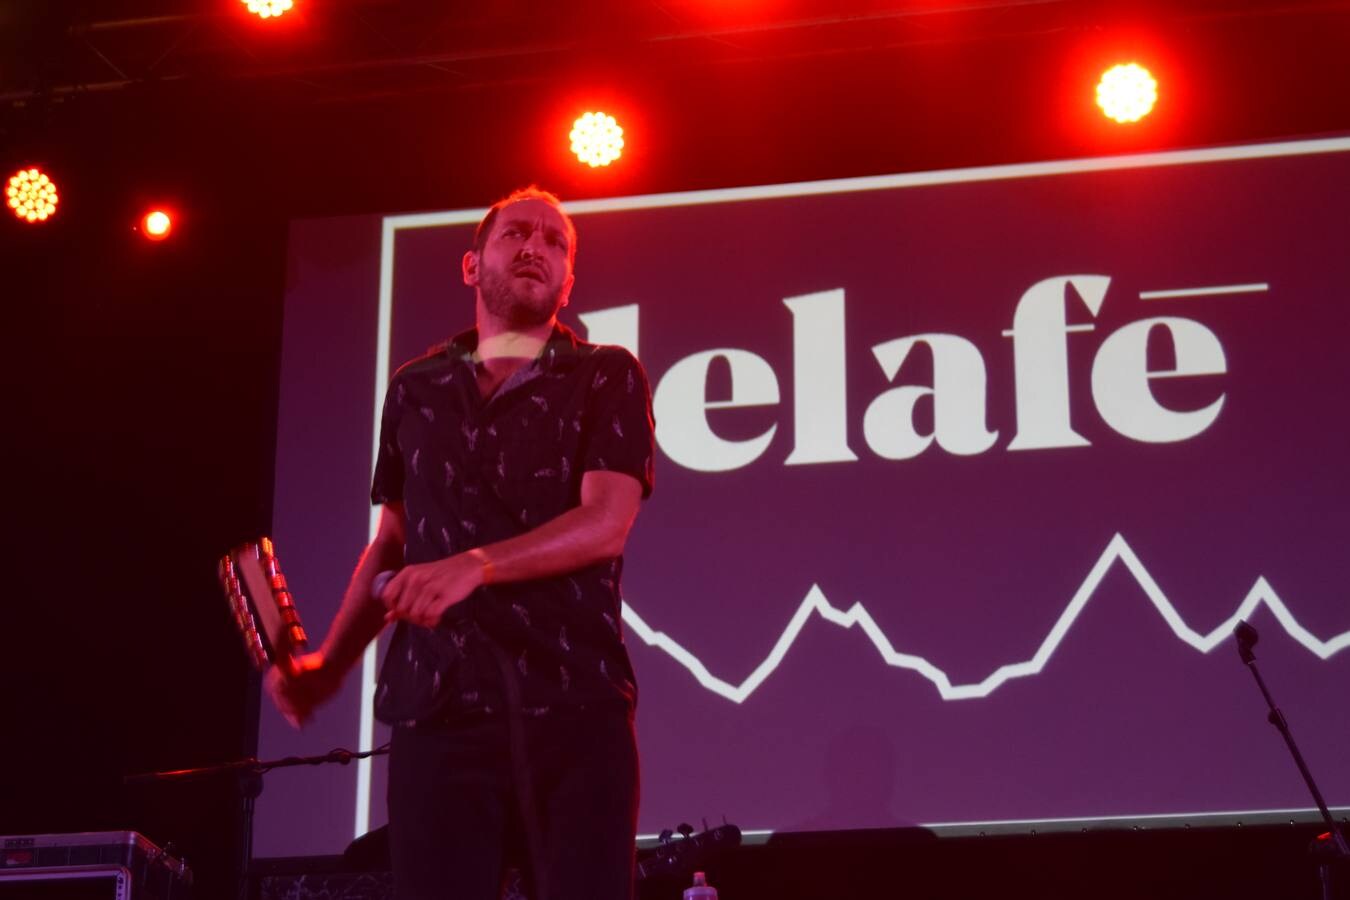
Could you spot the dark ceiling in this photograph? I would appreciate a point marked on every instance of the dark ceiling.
(349, 50)
(344, 50)
(711, 92)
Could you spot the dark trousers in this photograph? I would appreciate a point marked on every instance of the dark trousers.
(454, 816)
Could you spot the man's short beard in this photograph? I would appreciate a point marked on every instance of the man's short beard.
(517, 310)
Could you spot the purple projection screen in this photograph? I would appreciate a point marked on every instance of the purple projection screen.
(964, 479)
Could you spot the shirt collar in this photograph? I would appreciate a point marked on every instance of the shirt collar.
(559, 352)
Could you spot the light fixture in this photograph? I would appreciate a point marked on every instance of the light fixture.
(1127, 92)
(597, 139)
(31, 195)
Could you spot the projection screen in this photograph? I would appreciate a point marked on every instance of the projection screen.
(965, 478)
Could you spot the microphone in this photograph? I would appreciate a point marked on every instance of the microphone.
(380, 582)
(1246, 639)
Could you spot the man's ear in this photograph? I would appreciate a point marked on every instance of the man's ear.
(567, 290)
(470, 266)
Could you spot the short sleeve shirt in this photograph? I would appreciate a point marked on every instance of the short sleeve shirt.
(471, 471)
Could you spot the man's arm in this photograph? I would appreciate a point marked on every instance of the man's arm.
(359, 619)
(590, 532)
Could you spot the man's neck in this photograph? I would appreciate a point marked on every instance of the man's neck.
(499, 341)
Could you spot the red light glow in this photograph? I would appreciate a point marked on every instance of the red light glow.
(1127, 93)
(156, 225)
(597, 139)
(268, 9)
(31, 195)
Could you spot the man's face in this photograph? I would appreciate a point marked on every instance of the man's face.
(524, 271)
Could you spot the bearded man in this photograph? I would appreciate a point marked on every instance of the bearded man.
(511, 464)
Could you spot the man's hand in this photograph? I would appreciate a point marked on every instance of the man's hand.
(296, 695)
(421, 593)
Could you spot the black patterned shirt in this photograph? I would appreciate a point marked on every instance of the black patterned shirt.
(472, 471)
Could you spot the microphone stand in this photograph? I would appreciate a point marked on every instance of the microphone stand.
(249, 772)
(1330, 847)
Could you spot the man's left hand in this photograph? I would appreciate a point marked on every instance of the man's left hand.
(421, 593)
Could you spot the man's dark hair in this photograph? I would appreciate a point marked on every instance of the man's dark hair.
(533, 192)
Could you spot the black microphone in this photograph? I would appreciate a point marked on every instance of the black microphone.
(1246, 639)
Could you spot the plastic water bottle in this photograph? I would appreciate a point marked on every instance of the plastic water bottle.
(701, 889)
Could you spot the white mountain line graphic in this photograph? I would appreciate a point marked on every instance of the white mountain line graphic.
(1118, 550)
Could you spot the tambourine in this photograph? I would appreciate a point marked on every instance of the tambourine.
(263, 607)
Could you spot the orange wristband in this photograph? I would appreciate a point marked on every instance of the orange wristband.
(485, 561)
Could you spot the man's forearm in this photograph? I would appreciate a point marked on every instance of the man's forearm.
(578, 538)
(589, 533)
(361, 616)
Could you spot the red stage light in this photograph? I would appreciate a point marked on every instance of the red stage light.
(597, 139)
(32, 195)
(1126, 93)
(156, 225)
(267, 9)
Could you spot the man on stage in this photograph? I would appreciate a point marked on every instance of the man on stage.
(512, 461)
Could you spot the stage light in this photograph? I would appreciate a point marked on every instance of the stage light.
(267, 9)
(1127, 92)
(597, 139)
(32, 195)
(156, 225)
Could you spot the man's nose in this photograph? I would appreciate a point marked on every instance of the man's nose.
(535, 242)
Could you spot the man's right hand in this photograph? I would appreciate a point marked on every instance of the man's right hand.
(311, 685)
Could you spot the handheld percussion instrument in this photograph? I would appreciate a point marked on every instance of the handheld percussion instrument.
(263, 607)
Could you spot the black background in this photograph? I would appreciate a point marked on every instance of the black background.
(143, 376)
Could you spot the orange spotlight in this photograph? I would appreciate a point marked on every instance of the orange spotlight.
(32, 195)
(1127, 92)
(267, 9)
(156, 225)
(597, 139)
